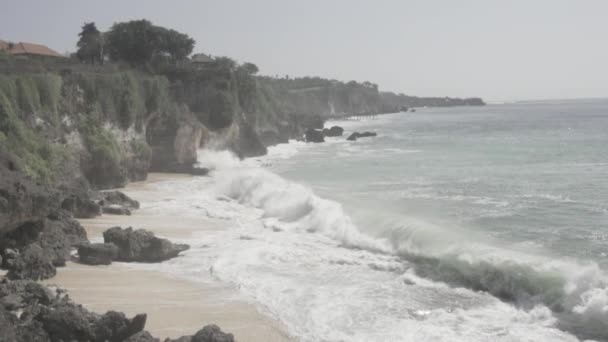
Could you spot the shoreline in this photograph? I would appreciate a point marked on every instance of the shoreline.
(175, 306)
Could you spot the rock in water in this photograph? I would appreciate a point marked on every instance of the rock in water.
(357, 135)
(116, 203)
(98, 253)
(313, 135)
(141, 245)
(118, 198)
(334, 131)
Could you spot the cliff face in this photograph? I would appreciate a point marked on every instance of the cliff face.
(79, 128)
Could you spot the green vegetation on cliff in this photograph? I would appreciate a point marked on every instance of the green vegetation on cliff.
(25, 99)
(108, 119)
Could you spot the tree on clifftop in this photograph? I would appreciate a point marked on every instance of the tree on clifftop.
(139, 41)
(90, 44)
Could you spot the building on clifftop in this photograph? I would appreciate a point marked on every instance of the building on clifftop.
(28, 50)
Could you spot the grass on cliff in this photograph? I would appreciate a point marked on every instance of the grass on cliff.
(35, 99)
(126, 98)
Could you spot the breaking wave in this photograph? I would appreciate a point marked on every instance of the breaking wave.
(577, 294)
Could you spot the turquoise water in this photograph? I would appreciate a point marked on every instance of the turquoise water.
(459, 224)
(507, 199)
(527, 176)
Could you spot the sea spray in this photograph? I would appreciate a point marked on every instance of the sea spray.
(295, 205)
(526, 284)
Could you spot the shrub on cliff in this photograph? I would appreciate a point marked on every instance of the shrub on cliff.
(20, 98)
(124, 98)
(104, 168)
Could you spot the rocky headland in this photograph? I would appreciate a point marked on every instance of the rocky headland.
(71, 129)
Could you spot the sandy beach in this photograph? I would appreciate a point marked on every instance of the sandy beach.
(175, 307)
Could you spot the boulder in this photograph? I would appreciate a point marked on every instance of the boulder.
(97, 253)
(141, 245)
(354, 136)
(55, 235)
(315, 136)
(115, 197)
(81, 207)
(143, 336)
(334, 131)
(115, 209)
(32, 312)
(73, 231)
(212, 333)
(116, 327)
(67, 322)
(18, 294)
(59, 234)
(32, 263)
(209, 333)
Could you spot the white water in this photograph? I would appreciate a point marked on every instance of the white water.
(364, 272)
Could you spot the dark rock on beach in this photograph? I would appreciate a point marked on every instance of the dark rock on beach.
(357, 135)
(315, 136)
(334, 131)
(117, 198)
(98, 253)
(32, 263)
(64, 321)
(209, 333)
(33, 250)
(142, 336)
(32, 312)
(116, 327)
(141, 245)
(116, 203)
(81, 205)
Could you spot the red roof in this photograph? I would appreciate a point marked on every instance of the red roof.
(28, 49)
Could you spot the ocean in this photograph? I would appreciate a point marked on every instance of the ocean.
(453, 224)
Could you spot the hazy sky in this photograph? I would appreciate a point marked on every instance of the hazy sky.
(500, 50)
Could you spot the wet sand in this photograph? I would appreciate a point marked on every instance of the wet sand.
(175, 307)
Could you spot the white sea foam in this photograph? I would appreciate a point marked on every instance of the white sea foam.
(283, 247)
